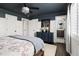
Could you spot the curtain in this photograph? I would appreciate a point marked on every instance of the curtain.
(68, 29)
(74, 19)
(78, 19)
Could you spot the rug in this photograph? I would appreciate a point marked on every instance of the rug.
(49, 50)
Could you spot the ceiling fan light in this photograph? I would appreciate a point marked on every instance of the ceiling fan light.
(25, 10)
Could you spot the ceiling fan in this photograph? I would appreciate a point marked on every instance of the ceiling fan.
(27, 8)
(30, 6)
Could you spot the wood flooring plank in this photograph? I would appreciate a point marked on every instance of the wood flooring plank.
(61, 50)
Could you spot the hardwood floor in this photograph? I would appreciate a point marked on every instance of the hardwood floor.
(61, 50)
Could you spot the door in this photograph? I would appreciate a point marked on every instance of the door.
(3, 27)
(19, 28)
(25, 26)
(11, 24)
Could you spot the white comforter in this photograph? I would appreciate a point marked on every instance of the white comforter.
(20, 45)
(37, 42)
(15, 47)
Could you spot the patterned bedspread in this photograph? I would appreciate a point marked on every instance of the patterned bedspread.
(14, 47)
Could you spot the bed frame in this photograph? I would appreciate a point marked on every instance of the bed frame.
(39, 53)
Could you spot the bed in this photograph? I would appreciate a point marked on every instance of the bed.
(17, 45)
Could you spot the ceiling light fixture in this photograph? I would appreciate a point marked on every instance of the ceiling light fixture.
(25, 10)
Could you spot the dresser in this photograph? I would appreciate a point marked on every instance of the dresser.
(47, 37)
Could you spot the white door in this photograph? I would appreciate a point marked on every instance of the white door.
(3, 27)
(32, 27)
(19, 27)
(11, 24)
(25, 27)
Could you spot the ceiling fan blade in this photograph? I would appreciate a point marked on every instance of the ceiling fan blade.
(36, 8)
(25, 5)
(29, 6)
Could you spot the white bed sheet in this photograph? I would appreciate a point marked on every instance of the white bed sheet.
(37, 42)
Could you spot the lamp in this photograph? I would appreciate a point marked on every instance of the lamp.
(25, 10)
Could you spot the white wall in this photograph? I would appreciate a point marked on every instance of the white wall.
(58, 19)
(34, 26)
(53, 29)
(3, 27)
(11, 26)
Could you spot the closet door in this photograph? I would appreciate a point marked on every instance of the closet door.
(31, 27)
(11, 24)
(19, 27)
(3, 27)
(25, 26)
